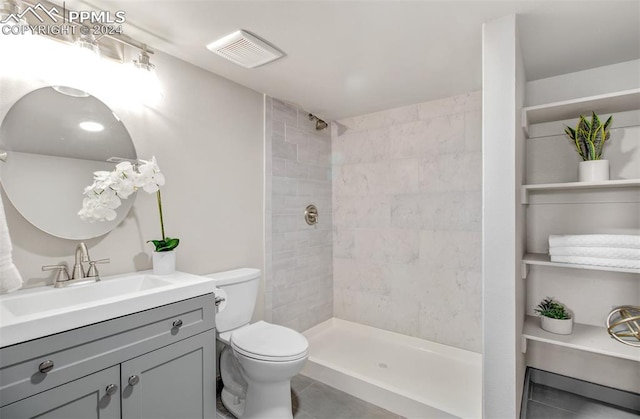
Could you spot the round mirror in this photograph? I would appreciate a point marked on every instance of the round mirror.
(55, 138)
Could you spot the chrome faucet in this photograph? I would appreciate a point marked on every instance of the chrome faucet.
(82, 255)
(78, 275)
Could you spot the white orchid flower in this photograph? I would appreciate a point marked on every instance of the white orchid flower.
(108, 190)
(150, 178)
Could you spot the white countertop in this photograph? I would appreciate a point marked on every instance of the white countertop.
(37, 312)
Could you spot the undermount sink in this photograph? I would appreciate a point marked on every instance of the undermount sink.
(37, 312)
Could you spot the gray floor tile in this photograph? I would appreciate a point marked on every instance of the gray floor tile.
(579, 406)
(598, 411)
(311, 399)
(324, 402)
(300, 382)
(302, 415)
(537, 410)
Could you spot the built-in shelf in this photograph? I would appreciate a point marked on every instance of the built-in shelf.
(569, 186)
(545, 260)
(584, 337)
(601, 104)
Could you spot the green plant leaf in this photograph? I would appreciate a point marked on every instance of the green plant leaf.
(165, 245)
(589, 136)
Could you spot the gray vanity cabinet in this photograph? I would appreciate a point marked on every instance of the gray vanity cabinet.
(155, 364)
(170, 383)
(84, 398)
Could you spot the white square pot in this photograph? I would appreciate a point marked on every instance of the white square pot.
(557, 326)
(164, 263)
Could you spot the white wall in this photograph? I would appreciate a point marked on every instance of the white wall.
(207, 134)
(407, 220)
(503, 165)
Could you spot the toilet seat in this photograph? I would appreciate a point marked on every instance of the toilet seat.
(269, 342)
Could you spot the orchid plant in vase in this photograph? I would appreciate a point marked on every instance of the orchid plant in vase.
(110, 188)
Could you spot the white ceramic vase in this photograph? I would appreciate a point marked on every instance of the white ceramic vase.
(557, 326)
(593, 170)
(164, 263)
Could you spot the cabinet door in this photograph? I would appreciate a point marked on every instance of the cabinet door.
(177, 381)
(84, 398)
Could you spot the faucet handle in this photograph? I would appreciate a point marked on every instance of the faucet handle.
(93, 269)
(62, 275)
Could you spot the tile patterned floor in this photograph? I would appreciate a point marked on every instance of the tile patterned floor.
(550, 403)
(314, 400)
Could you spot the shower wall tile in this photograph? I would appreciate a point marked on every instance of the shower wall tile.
(443, 134)
(361, 146)
(473, 136)
(299, 283)
(383, 119)
(284, 114)
(407, 205)
(296, 136)
(387, 245)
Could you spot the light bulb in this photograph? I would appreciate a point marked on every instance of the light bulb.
(146, 82)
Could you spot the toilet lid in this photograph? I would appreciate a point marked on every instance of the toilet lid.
(269, 342)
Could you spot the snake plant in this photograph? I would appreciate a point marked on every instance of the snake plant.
(589, 136)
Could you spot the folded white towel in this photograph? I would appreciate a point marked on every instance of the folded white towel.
(597, 252)
(595, 240)
(609, 263)
(10, 279)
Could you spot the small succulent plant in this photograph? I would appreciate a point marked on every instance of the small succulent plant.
(552, 309)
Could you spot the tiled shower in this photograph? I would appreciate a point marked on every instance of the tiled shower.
(399, 238)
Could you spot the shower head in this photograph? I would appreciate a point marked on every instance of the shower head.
(320, 124)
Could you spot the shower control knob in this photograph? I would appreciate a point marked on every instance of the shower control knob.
(133, 380)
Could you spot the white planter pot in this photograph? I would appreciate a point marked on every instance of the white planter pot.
(164, 263)
(593, 170)
(557, 326)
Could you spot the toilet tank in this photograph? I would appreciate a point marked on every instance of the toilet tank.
(241, 289)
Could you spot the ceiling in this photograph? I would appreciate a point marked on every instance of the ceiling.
(346, 58)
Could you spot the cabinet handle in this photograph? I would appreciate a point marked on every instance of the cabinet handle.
(177, 323)
(133, 380)
(45, 366)
(111, 389)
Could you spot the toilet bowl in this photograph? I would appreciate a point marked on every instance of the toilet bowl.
(259, 359)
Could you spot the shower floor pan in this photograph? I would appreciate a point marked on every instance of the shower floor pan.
(412, 377)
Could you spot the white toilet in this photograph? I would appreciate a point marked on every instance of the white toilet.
(259, 359)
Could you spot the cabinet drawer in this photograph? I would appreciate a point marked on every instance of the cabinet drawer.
(80, 352)
(85, 398)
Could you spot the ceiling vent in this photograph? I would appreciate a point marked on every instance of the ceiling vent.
(245, 49)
